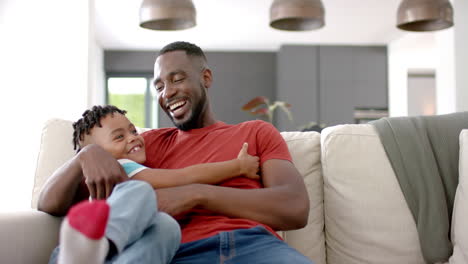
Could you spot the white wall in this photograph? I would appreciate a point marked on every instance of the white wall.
(421, 94)
(445, 72)
(44, 74)
(445, 51)
(412, 51)
(96, 71)
(461, 50)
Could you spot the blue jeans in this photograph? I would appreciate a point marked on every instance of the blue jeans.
(255, 245)
(140, 233)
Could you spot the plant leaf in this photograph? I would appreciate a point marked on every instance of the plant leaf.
(260, 111)
(255, 102)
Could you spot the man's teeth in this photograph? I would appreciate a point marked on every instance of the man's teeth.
(178, 104)
(135, 149)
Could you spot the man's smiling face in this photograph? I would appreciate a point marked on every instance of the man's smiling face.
(180, 89)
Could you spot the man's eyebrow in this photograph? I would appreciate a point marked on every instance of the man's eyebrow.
(170, 74)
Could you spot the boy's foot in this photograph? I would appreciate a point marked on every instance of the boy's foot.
(82, 237)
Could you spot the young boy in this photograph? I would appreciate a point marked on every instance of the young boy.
(108, 127)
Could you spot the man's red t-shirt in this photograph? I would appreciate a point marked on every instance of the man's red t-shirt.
(170, 148)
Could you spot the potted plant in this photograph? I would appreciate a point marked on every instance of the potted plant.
(261, 106)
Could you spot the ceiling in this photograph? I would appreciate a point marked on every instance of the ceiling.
(224, 25)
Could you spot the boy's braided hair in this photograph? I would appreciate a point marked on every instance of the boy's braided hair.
(90, 118)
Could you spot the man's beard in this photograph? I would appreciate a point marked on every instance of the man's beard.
(195, 120)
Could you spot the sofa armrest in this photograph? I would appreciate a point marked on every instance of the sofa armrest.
(27, 236)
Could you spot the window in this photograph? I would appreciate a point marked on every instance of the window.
(135, 95)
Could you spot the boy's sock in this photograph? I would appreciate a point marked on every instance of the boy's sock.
(82, 237)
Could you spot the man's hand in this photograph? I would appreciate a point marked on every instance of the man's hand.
(249, 164)
(100, 170)
(176, 200)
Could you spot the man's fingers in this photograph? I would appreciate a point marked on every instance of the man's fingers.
(109, 188)
(100, 191)
(92, 190)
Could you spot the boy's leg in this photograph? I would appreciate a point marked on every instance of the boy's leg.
(158, 244)
(133, 210)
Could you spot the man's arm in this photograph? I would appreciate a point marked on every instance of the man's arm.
(208, 173)
(283, 204)
(93, 171)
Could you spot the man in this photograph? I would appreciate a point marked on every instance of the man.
(234, 221)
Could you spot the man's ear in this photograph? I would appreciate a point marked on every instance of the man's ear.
(207, 78)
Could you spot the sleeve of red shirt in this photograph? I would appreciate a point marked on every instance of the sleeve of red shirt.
(270, 143)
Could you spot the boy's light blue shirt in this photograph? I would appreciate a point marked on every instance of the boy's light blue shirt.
(131, 167)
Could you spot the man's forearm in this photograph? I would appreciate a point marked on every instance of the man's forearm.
(280, 207)
(282, 204)
(60, 190)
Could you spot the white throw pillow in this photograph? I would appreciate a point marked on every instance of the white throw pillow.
(367, 219)
(460, 207)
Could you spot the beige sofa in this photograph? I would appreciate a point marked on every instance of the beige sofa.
(358, 213)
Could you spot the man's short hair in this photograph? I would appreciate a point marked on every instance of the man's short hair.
(189, 48)
(90, 118)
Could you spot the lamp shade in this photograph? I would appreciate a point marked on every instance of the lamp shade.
(424, 15)
(297, 15)
(167, 14)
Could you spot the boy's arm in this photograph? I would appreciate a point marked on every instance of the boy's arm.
(208, 173)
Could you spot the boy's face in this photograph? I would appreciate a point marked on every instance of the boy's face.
(119, 137)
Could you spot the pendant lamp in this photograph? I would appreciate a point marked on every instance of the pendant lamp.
(297, 15)
(424, 15)
(167, 14)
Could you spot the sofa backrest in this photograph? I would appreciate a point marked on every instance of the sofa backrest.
(55, 149)
(357, 211)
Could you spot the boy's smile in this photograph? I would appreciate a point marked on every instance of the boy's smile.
(118, 136)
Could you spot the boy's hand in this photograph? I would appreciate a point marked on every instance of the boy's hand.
(100, 170)
(249, 164)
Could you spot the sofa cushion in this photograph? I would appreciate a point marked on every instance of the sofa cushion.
(366, 217)
(305, 152)
(460, 207)
(55, 149)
